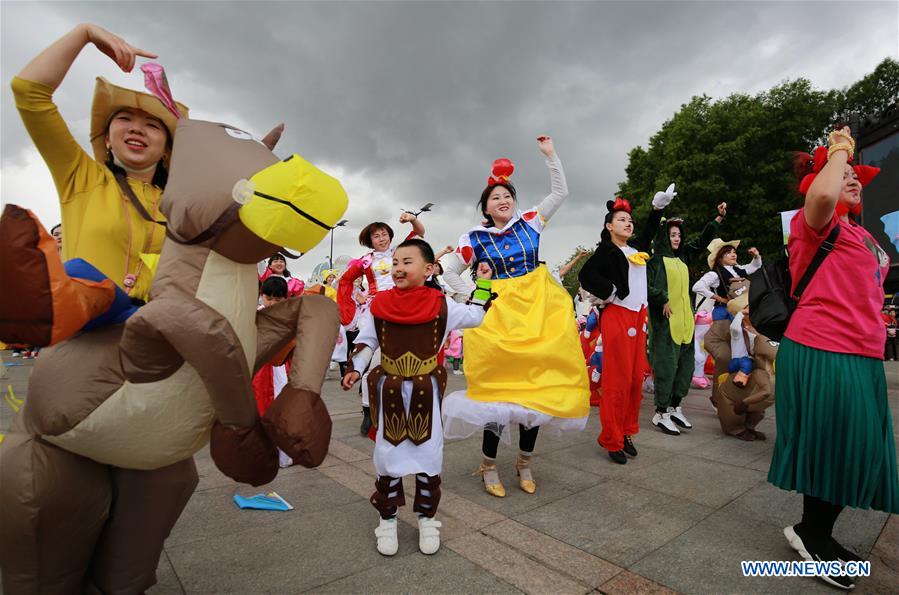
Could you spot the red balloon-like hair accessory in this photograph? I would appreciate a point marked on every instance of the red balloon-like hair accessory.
(502, 171)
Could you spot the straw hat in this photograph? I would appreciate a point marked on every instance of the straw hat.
(716, 245)
(109, 99)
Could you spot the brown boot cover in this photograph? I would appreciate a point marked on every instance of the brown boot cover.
(53, 505)
(427, 494)
(388, 497)
(145, 507)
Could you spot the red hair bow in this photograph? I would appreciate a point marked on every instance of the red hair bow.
(620, 204)
(865, 173)
(502, 171)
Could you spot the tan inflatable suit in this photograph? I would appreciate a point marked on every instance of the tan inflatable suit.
(98, 465)
(757, 395)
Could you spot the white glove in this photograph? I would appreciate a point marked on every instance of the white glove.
(661, 199)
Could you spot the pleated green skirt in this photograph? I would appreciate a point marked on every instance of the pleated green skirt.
(834, 429)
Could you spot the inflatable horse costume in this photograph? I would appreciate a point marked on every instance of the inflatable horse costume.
(98, 464)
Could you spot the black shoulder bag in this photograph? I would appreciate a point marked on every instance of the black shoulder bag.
(770, 302)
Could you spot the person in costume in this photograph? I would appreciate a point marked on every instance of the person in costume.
(524, 365)
(616, 275)
(671, 318)
(835, 442)
(375, 268)
(715, 285)
(453, 350)
(701, 323)
(591, 342)
(409, 323)
(271, 379)
(110, 200)
(741, 405)
(277, 267)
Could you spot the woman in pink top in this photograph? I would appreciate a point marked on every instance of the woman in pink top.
(834, 432)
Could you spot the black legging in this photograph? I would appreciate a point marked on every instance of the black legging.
(527, 438)
(818, 517)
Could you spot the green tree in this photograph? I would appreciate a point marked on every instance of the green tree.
(739, 150)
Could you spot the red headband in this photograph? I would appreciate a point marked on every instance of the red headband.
(865, 174)
(502, 171)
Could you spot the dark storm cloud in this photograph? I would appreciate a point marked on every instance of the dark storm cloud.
(419, 98)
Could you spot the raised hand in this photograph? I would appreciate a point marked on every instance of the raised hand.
(753, 252)
(122, 53)
(545, 143)
(722, 209)
(349, 380)
(663, 199)
(407, 218)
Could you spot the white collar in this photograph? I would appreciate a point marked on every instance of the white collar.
(496, 230)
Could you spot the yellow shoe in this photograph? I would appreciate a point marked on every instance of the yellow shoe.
(525, 479)
(488, 471)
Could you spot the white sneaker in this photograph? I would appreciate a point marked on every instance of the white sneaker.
(663, 422)
(678, 417)
(428, 535)
(457, 372)
(388, 543)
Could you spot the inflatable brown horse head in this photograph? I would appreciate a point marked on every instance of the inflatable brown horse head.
(114, 415)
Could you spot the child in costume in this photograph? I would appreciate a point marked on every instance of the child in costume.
(271, 378)
(616, 274)
(277, 267)
(702, 322)
(453, 350)
(724, 271)
(524, 365)
(592, 344)
(409, 323)
(375, 267)
(671, 318)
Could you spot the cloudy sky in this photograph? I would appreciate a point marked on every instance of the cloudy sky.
(410, 102)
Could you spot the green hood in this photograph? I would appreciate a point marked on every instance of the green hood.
(661, 244)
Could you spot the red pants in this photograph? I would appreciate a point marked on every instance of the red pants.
(623, 368)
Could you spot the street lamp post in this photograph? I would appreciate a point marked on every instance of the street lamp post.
(340, 223)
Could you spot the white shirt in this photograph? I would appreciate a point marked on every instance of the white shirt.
(709, 282)
(637, 299)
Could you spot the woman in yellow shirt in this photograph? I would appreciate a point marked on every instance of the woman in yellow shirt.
(131, 137)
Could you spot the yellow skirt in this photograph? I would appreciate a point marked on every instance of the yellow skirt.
(527, 354)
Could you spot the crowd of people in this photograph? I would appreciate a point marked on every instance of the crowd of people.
(529, 361)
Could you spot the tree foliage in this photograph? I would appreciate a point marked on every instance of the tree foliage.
(739, 150)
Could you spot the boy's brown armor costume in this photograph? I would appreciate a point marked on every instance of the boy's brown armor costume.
(408, 352)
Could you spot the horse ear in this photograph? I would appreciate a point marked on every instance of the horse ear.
(271, 139)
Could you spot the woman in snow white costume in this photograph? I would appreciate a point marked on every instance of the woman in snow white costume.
(524, 364)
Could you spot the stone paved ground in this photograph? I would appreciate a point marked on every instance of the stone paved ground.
(680, 517)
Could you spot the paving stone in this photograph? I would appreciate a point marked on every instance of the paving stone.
(167, 582)
(444, 572)
(628, 583)
(855, 529)
(706, 558)
(700, 480)
(616, 521)
(583, 567)
(733, 451)
(511, 566)
(213, 513)
(299, 553)
(591, 458)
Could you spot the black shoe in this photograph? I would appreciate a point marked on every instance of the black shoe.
(817, 550)
(618, 456)
(366, 421)
(844, 555)
(629, 448)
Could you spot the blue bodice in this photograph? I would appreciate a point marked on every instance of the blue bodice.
(511, 253)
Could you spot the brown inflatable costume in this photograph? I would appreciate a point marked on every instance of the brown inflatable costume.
(98, 465)
(741, 408)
